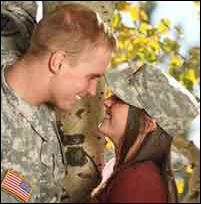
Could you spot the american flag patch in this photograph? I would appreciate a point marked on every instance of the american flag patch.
(16, 184)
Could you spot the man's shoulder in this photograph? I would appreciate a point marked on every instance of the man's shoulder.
(3, 94)
(5, 106)
(8, 114)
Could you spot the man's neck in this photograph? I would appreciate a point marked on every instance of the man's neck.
(26, 82)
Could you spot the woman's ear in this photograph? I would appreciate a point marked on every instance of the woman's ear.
(148, 124)
(56, 60)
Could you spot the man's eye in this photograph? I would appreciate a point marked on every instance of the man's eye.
(90, 79)
(94, 78)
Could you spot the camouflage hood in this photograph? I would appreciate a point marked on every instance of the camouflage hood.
(159, 94)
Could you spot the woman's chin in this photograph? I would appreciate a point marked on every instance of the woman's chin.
(101, 131)
(102, 128)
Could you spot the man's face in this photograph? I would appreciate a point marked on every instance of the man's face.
(71, 83)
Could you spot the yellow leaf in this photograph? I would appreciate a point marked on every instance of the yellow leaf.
(120, 44)
(135, 13)
(166, 22)
(108, 92)
(132, 53)
(130, 47)
(132, 30)
(140, 39)
(143, 2)
(123, 42)
(123, 6)
(180, 185)
(127, 8)
(109, 144)
(143, 27)
(191, 75)
(189, 169)
(164, 26)
(143, 15)
(179, 31)
(116, 20)
(127, 43)
(176, 60)
(156, 37)
(119, 58)
(154, 44)
(126, 31)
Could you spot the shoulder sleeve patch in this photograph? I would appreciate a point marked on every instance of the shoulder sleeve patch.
(16, 184)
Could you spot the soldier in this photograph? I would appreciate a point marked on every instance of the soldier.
(70, 50)
(148, 109)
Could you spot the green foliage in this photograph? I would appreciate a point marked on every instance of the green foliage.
(151, 44)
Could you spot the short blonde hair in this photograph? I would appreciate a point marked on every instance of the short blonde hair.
(71, 27)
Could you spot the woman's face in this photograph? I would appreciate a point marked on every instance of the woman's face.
(115, 121)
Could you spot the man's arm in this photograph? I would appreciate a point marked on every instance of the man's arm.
(8, 198)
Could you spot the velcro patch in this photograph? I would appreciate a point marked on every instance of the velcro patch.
(16, 184)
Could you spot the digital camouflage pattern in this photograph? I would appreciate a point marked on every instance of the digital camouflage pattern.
(30, 145)
(163, 98)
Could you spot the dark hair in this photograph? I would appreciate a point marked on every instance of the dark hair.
(156, 147)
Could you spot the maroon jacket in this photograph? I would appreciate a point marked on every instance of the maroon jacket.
(140, 183)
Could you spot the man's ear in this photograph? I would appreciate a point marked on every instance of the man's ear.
(56, 60)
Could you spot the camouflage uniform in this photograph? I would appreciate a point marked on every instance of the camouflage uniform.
(30, 145)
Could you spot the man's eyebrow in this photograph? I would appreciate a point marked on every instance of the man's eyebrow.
(95, 75)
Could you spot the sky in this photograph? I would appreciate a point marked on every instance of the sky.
(184, 13)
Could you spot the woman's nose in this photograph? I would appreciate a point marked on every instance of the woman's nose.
(108, 102)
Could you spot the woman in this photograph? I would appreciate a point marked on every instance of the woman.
(141, 128)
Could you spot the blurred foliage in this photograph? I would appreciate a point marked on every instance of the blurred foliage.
(109, 144)
(197, 3)
(180, 185)
(151, 44)
(189, 169)
(183, 170)
(108, 92)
